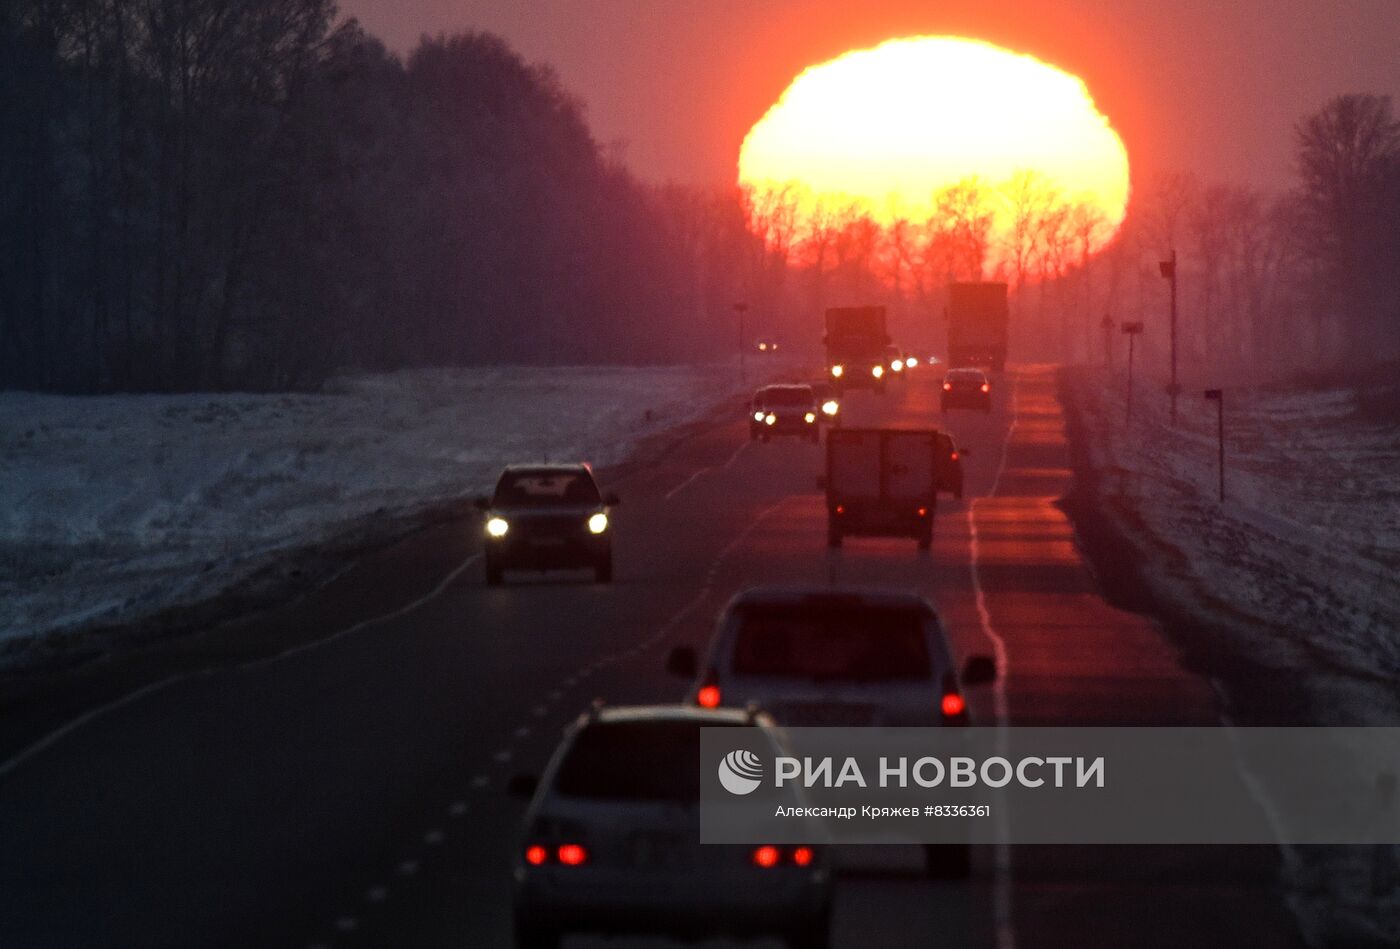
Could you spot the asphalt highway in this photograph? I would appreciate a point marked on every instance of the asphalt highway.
(332, 772)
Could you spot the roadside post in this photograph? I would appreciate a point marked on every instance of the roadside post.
(741, 309)
(1218, 397)
(1131, 330)
(1168, 268)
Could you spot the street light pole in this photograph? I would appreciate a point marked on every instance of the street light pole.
(741, 309)
(1168, 268)
(1131, 330)
(1218, 397)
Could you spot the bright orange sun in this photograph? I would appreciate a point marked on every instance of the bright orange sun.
(888, 128)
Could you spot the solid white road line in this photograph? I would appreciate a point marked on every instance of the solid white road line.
(1002, 885)
(92, 714)
(703, 471)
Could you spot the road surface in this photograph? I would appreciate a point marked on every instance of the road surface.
(332, 773)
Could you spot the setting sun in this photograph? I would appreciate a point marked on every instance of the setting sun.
(888, 128)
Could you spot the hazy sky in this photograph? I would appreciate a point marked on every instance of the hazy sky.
(1212, 86)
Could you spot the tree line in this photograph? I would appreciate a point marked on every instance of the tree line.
(196, 194)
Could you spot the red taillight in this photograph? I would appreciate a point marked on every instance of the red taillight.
(986, 388)
(536, 855)
(840, 509)
(923, 511)
(708, 696)
(953, 705)
(955, 456)
(572, 855)
(766, 856)
(802, 856)
(947, 387)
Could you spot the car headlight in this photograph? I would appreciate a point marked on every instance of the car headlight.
(497, 526)
(758, 416)
(878, 371)
(897, 365)
(910, 362)
(769, 419)
(831, 406)
(810, 417)
(598, 523)
(837, 371)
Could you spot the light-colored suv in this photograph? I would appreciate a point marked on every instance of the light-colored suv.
(612, 842)
(826, 658)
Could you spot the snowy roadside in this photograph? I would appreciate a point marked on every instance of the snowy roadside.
(115, 508)
(1297, 570)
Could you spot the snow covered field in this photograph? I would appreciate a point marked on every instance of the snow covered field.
(1300, 567)
(1308, 539)
(115, 507)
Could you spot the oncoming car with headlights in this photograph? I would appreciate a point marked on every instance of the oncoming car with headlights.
(828, 399)
(612, 841)
(547, 517)
(784, 410)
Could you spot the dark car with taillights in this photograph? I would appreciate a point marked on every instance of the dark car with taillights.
(966, 389)
(547, 517)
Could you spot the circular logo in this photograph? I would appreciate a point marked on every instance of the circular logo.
(740, 772)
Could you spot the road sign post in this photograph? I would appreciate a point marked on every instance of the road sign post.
(1168, 268)
(741, 309)
(1218, 397)
(1131, 330)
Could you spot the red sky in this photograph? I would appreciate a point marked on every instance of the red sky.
(1210, 86)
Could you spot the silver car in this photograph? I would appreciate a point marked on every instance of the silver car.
(612, 842)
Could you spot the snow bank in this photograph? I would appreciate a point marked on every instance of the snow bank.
(115, 507)
(1308, 539)
(1304, 550)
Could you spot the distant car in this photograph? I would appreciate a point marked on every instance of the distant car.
(784, 410)
(767, 345)
(828, 400)
(818, 657)
(894, 360)
(547, 517)
(967, 388)
(612, 842)
(949, 468)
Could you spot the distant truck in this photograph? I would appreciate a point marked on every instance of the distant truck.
(882, 483)
(977, 317)
(856, 338)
